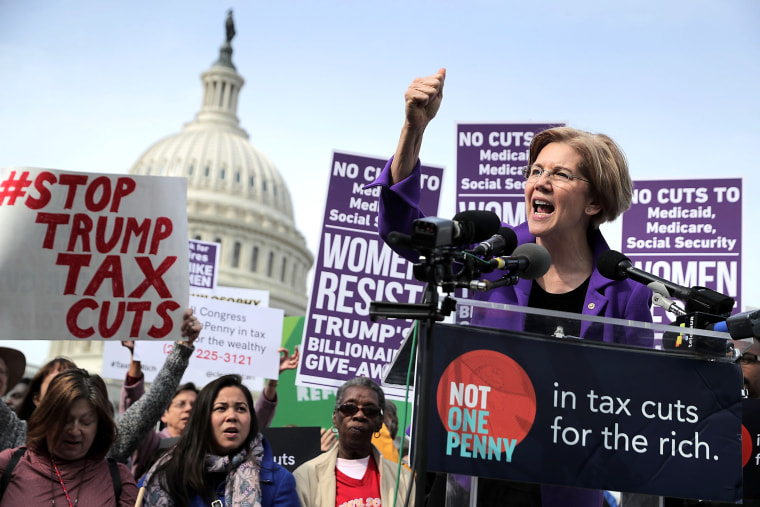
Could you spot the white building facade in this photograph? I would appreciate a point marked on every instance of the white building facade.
(236, 197)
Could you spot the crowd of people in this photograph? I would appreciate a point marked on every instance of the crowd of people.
(62, 438)
(62, 443)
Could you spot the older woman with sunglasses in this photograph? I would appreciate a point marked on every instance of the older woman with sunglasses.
(575, 181)
(354, 470)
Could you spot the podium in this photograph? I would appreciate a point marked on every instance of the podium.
(598, 413)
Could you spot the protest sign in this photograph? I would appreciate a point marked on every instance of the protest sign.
(204, 263)
(688, 233)
(204, 272)
(490, 160)
(116, 358)
(252, 297)
(293, 446)
(91, 256)
(354, 268)
(236, 338)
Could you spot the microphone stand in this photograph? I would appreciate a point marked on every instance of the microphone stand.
(427, 314)
(660, 298)
(437, 269)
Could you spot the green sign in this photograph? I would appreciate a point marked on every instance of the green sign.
(307, 406)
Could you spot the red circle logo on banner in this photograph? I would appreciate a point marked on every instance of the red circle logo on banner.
(486, 390)
(746, 446)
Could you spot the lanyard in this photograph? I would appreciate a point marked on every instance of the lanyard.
(60, 479)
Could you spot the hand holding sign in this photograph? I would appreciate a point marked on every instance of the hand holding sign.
(104, 255)
(190, 327)
(288, 362)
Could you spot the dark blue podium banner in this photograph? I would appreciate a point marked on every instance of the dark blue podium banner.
(751, 448)
(580, 413)
(294, 446)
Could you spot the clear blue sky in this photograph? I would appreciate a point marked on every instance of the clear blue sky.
(89, 86)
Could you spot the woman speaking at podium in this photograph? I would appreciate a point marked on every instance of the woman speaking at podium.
(575, 182)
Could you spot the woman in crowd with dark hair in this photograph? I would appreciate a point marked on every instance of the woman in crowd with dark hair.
(12, 366)
(40, 382)
(137, 421)
(15, 396)
(67, 438)
(354, 470)
(220, 457)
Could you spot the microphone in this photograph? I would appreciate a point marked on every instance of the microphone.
(400, 239)
(529, 261)
(475, 225)
(616, 266)
(504, 241)
(466, 228)
(740, 326)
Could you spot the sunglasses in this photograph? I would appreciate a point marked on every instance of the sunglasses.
(349, 409)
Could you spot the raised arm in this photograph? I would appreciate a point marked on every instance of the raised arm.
(133, 386)
(399, 180)
(140, 418)
(422, 98)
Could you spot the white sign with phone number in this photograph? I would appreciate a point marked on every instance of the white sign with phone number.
(236, 338)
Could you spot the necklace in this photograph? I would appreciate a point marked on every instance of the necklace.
(63, 486)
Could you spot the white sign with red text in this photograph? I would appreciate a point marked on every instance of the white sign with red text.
(92, 256)
(253, 297)
(236, 338)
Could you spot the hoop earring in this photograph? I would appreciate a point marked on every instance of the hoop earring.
(376, 434)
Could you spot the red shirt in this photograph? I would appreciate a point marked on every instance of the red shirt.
(364, 492)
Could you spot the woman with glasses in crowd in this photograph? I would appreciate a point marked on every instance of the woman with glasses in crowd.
(354, 470)
(221, 458)
(67, 439)
(575, 181)
(750, 362)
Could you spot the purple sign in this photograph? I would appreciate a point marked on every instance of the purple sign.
(354, 268)
(204, 264)
(490, 160)
(687, 232)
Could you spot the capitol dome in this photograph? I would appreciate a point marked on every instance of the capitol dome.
(236, 196)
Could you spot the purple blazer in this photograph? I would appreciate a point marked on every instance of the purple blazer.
(625, 299)
(622, 299)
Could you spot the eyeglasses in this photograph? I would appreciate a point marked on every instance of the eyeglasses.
(559, 176)
(349, 409)
(749, 358)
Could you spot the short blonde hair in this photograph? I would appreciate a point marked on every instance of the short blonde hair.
(603, 163)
